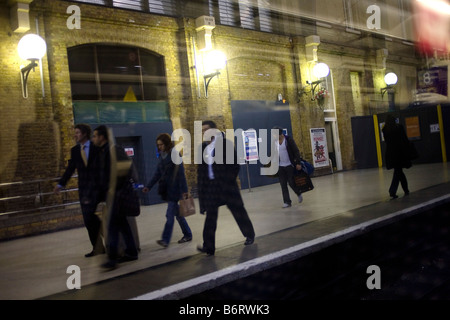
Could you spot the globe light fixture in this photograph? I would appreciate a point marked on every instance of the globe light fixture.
(320, 71)
(31, 47)
(213, 62)
(390, 79)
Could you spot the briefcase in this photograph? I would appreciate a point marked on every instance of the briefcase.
(303, 181)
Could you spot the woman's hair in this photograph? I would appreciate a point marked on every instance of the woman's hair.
(166, 139)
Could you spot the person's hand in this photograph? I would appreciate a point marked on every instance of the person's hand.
(298, 167)
(185, 195)
(145, 190)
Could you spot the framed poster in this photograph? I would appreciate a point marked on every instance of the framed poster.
(412, 128)
(250, 144)
(319, 147)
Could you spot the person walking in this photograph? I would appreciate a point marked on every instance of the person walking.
(289, 161)
(82, 158)
(217, 186)
(397, 154)
(117, 222)
(172, 187)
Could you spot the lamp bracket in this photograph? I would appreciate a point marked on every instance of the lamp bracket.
(207, 79)
(24, 72)
(389, 88)
(314, 85)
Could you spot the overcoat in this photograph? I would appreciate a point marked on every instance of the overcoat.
(223, 189)
(397, 147)
(171, 178)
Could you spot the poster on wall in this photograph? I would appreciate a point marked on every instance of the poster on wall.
(412, 128)
(250, 145)
(319, 147)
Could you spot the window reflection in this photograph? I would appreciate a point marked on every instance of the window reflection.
(109, 73)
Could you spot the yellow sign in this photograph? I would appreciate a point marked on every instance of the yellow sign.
(130, 96)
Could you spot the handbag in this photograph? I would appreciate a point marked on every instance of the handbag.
(187, 206)
(303, 181)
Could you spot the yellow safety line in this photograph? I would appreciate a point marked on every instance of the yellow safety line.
(377, 140)
(441, 132)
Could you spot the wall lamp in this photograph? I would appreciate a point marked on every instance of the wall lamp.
(31, 47)
(390, 79)
(320, 70)
(213, 62)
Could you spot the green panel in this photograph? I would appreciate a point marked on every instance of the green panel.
(120, 112)
(157, 112)
(85, 113)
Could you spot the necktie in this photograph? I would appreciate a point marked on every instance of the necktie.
(83, 155)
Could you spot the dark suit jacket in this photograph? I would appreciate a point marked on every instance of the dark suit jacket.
(86, 174)
(223, 188)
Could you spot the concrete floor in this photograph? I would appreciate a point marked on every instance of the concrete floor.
(36, 267)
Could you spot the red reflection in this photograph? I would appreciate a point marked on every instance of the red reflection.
(432, 25)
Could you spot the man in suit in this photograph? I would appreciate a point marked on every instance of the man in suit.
(117, 191)
(82, 159)
(217, 186)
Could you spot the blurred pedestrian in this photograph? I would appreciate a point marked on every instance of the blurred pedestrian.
(172, 187)
(118, 222)
(217, 186)
(397, 154)
(82, 158)
(289, 161)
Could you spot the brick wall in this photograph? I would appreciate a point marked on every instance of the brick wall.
(36, 134)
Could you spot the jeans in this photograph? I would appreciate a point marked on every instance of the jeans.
(286, 175)
(171, 213)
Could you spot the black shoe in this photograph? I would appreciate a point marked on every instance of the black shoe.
(185, 239)
(162, 243)
(394, 196)
(110, 265)
(94, 253)
(406, 193)
(127, 258)
(203, 250)
(249, 241)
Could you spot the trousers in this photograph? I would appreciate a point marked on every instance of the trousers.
(398, 177)
(236, 206)
(286, 176)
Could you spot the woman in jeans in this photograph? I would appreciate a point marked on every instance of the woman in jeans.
(172, 186)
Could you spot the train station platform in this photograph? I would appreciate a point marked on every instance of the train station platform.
(341, 206)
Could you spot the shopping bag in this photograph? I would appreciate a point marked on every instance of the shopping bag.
(187, 206)
(303, 181)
